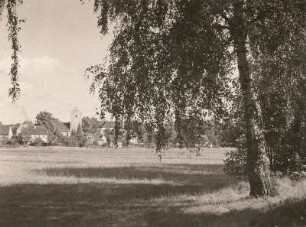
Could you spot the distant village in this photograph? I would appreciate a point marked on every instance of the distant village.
(47, 130)
(81, 131)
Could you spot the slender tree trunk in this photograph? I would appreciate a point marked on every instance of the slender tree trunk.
(117, 129)
(178, 128)
(128, 130)
(257, 161)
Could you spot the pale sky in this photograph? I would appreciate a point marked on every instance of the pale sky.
(59, 41)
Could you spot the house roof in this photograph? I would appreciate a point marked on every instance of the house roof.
(67, 124)
(4, 129)
(61, 127)
(35, 130)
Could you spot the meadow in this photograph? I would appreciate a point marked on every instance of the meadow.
(56, 186)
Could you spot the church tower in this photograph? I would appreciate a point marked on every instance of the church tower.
(76, 121)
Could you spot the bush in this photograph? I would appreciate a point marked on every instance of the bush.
(37, 142)
(23, 138)
(12, 142)
(75, 141)
(284, 161)
(110, 136)
(235, 163)
(4, 142)
(148, 139)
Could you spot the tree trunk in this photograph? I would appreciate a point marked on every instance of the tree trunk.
(178, 128)
(257, 160)
(117, 129)
(298, 139)
(128, 130)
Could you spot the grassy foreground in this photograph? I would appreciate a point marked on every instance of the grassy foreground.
(130, 187)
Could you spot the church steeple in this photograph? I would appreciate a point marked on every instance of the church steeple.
(75, 121)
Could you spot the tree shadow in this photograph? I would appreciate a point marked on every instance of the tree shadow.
(208, 175)
(181, 181)
(290, 213)
(103, 203)
(111, 204)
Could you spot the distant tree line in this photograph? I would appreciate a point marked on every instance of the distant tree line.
(195, 133)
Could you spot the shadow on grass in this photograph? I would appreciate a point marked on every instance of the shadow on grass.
(209, 175)
(206, 179)
(103, 205)
(100, 204)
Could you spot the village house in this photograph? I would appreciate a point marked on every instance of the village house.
(34, 132)
(62, 129)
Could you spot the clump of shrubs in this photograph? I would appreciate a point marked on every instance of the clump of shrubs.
(38, 142)
(288, 163)
(12, 142)
(75, 141)
(235, 163)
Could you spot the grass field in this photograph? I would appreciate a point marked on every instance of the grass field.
(131, 187)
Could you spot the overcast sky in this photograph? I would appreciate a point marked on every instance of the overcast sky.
(59, 41)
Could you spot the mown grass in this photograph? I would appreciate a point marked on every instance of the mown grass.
(131, 187)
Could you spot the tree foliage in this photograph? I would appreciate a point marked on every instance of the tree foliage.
(47, 120)
(13, 25)
(170, 57)
(91, 125)
(158, 69)
(52, 124)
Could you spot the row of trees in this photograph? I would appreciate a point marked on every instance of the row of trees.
(195, 133)
(173, 59)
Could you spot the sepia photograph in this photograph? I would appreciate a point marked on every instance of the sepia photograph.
(153, 113)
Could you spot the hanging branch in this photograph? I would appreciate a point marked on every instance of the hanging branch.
(13, 28)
